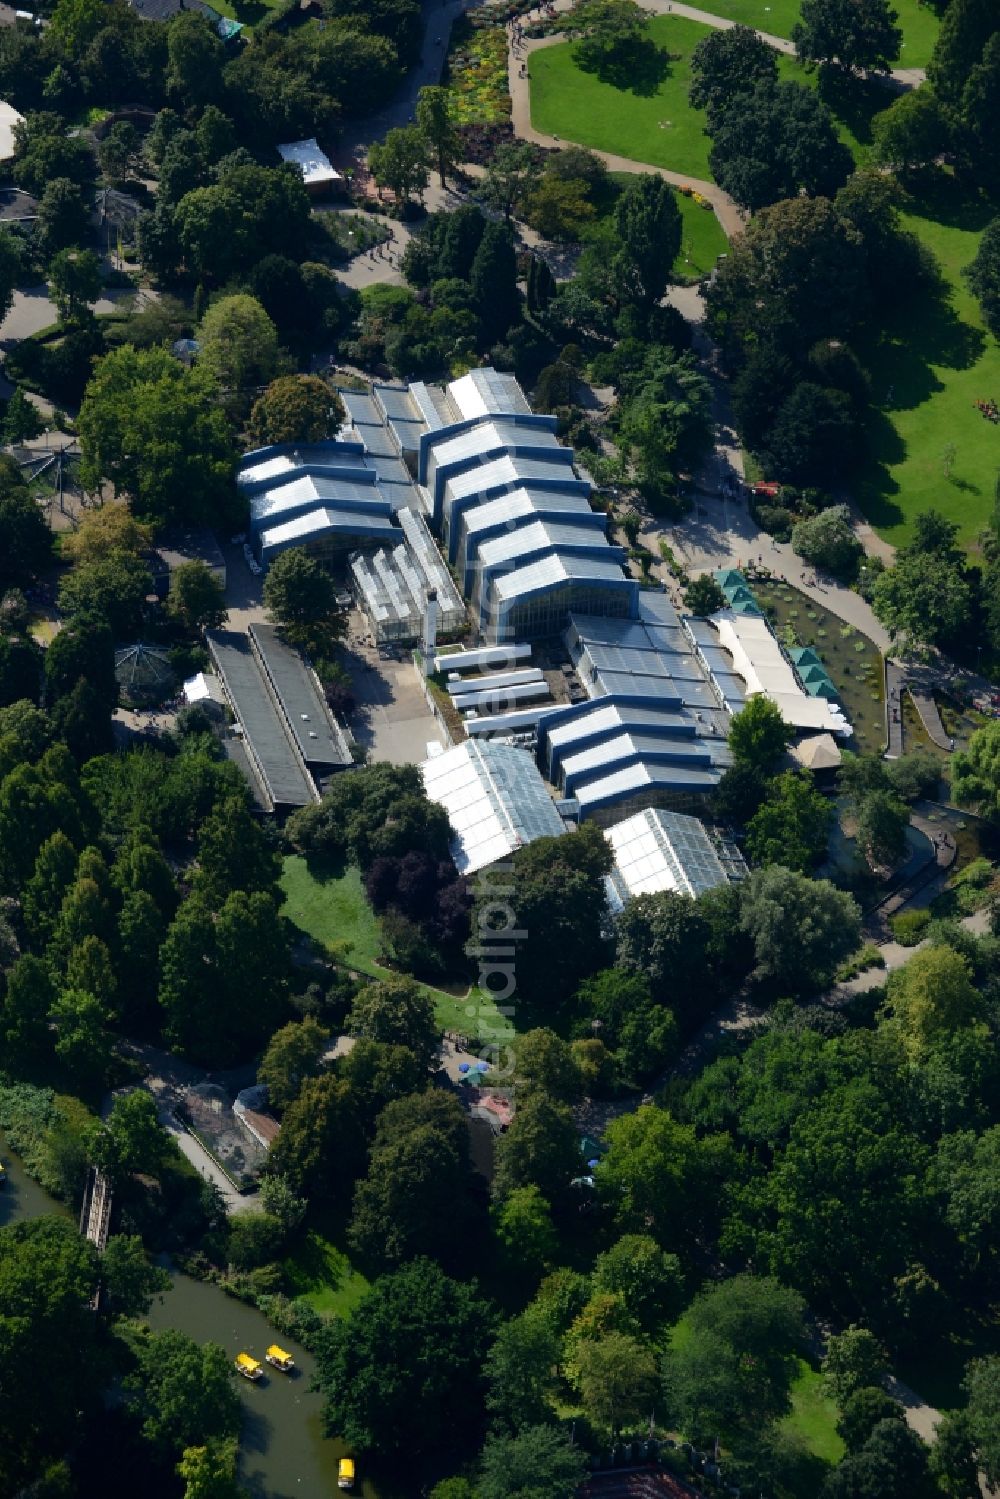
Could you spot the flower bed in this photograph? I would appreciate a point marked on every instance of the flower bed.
(477, 75)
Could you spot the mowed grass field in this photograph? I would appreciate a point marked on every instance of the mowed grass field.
(928, 369)
(333, 910)
(662, 128)
(919, 22)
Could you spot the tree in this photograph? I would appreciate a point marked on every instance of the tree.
(953, 1457)
(182, 1390)
(643, 1034)
(415, 1197)
(541, 1149)
(658, 1178)
(613, 33)
(543, 1060)
(892, 1464)
(930, 998)
(209, 1472)
(522, 1223)
(83, 1044)
(664, 938)
(131, 1140)
(405, 1373)
(814, 435)
(966, 28)
(776, 141)
(293, 1054)
(827, 541)
(648, 1280)
(797, 274)
(758, 735)
(793, 825)
(27, 539)
(295, 408)
(493, 280)
(703, 596)
(239, 347)
(150, 427)
(911, 133)
(557, 892)
(24, 1013)
(861, 1413)
(801, 929)
(881, 824)
(74, 282)
(726, 63)
(400, 162)
(128, 1281)
(435, 118)
(105, 531)
(558, 209)
(648, 224)
(975, 772)
(113, 589)
(194, 62)
(983, 276)
(301, 595)
(854, 1360)
(196, 599)
(508, 174)
(837, 1215)
(321, 1147)
(859, 35)
(396, 1010)
(117, 152)
(734, 1368)
(224, 975)
(63, 216)
(982, 1387)
(616, 1377)
(539, 1463)
(521, 1370)
(48, 1275)
(21, 421)
(75, 23)
(924, 598)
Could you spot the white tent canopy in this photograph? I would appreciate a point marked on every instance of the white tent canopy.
(759, 660)
(311, 160)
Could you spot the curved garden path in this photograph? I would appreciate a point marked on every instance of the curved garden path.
(732, 218)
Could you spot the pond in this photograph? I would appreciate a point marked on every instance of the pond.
(283, 1453)
(853, 662)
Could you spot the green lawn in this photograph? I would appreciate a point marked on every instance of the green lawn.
(660, 127)
(334, 911)
(323, 1275)
(919, 22)
(928, 370)
(813, 1417)
(703, 240)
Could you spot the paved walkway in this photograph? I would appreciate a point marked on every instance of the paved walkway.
(721, 532)
(902, 77)
(729, 215)
(894, 682)
(919, 683)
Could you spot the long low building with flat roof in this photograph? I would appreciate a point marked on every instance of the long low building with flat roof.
(320, 740)
(276, 762)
